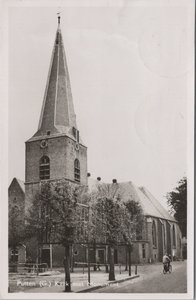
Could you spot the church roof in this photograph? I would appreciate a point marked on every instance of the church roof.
(156, 204)
(129, 191)
(57, 114)
(19, 182)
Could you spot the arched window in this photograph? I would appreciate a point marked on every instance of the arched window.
(164, 237)
(154, 238)
(174, 237)
(44, 168)
(77, 170)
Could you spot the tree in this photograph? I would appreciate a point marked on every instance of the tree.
(108, 209)
(177, 200)
(54, 217)
(134, 220)
(114, 220)
(133, 226)
(16, 228)
(103, 216)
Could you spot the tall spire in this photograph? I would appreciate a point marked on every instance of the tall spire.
(57, 115)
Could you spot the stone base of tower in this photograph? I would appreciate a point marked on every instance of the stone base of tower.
(31, 191)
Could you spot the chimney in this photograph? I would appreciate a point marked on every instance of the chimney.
(88, 174)
(99, 178)
(114, 181)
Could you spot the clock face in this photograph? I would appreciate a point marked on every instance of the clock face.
(43, 144)
(77, 146)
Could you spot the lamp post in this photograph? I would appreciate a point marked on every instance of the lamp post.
(126, 258)
(88, 250)
(88, 246)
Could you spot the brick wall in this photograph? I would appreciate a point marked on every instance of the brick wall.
(31, 189)
(62, 153)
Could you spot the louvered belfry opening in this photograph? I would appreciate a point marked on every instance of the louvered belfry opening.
(44, 168)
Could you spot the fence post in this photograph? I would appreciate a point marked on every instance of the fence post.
(88, 257)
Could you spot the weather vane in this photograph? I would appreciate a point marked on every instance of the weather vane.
(59, 17)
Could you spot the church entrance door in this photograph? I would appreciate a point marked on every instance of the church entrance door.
(46, 256)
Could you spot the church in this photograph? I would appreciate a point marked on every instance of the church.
(57, 151)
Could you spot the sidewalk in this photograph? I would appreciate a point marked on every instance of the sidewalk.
(53, 282)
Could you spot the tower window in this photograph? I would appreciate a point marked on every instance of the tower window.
(77, 170)
(44, 168)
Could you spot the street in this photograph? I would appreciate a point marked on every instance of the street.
(151, 280)
(154, 281)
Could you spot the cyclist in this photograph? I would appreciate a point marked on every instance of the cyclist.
(166, 262)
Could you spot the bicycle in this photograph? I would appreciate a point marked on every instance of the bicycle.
(167, 268)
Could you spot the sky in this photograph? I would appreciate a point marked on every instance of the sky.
(130, 64)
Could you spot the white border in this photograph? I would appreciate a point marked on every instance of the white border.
(4, 5)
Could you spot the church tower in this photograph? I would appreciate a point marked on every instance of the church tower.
(56, 150)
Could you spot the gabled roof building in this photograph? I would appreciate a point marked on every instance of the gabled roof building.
(161, 233)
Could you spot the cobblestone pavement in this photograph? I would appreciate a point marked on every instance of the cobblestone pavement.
(152, 280)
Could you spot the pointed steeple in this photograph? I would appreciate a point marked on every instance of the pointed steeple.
(57, 115)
